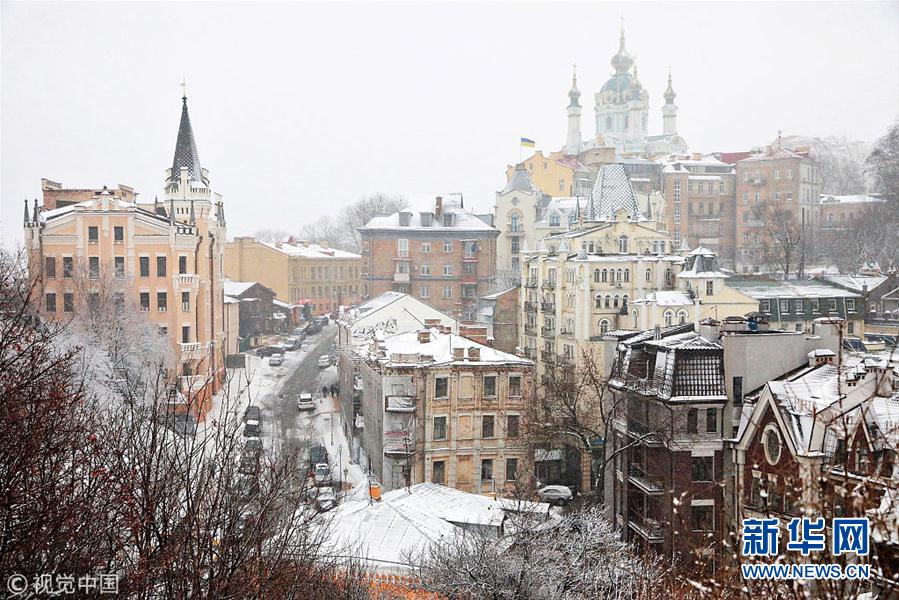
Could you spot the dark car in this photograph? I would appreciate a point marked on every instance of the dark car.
(264, 351)
(252, 428)
(317, 455)
(253, 413)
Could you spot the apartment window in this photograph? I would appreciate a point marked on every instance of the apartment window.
(850, 327)
(447, 270)
(692, 421)
(441, 387)
(703, 517)
(402, 248)
(402, 267)
(709, 288)
(766, 306)
(163, 330)
(784, 306)
(469, 269)
(93, 301)
(119, 263)
(93, 234)
(144, 266)
(447, 292)
(50, 266)
(448, 246)
(755, 494)
(93, 264)
(832, 304)
(711, 420)
(161, 301)
(438, 472)
(185, 301)
(789, 173)
(426, 247)
(512, 422)
(118, 234)
(468, 291)
(816, 306)
(426, 270)
(160, 266)
(514, 385)
(850, 304)
(68, 302)
(439, 428)
(702, 468)
(185, 334)
(554, 221)
(648, 275)
(50, 302)
(487, 469)
(182, 264)
(776, 174)
(511, 469)
(487, 426)
(145, 301)
(425, 291)
(490, 385)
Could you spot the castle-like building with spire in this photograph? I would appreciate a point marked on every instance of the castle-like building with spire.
(98, 249)
(622, 114)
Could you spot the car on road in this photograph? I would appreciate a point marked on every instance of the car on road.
(326, 499)
(324, 361)
(555, 494)
(253, 412)
(276, 360)
(249, 461)
(323, 474)
(293, 343)
(318, 454)
(265, 351)
(305, 402)
(252, 428)
(253, 444)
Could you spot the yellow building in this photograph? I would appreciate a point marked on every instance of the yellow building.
(556, 175)
(162, 258)
(298, 272)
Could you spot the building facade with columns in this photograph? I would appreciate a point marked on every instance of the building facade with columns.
(162, 258)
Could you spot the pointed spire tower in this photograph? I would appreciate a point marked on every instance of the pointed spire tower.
(669, 110)
(573, 140)
(186, 154)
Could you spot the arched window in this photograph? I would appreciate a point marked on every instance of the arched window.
(635, 319)
(603, 326)
(618, 275)
(608, 301)
(624, 301)
(648, 275)
(668, 278)
(598, 302)
(669, 318)
(596, 276)
(662, 247)
(681, 317)
(655, 247)
(615, 301)
(554, 220)
(627, 275)
(605, 275)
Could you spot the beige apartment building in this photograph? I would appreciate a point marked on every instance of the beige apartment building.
(300, 272)
(776, 178)
(441, 408)
(164, 258)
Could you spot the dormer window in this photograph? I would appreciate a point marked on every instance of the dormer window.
(405, 219)
(554, 220)
(426, 219)
(448, 220)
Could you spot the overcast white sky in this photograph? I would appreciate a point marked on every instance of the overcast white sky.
(301, 108)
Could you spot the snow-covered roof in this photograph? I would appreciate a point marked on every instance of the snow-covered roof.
(856, 283)
(849, 199)
(310, 250)
(281, 304)
(774, 154)
(236, 288)
(405, 349)
(463, 219)
(764, 290)
(666, 298)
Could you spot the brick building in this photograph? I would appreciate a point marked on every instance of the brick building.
(699, 197)
(776, 178)
(445, 256)
(499, 314)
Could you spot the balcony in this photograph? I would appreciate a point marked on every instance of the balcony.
(548, 332)
(549, 285)
(650, 484)
(649, 529)
(530, 353)
(530, 330)
(469, 257)
(186, 280)
(401, 278)
(758, 181)
(547, 356)
(549, 307)
(638, 429)
(514, 230)
(192, 351)
(530, 306)
(531, 282)
(399, 442)
(192, 383)
(469, 278)
(399, 404)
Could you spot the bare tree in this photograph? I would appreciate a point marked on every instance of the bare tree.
(271, 235)
(364, 210)
(326, 229)
(882, 165)
(783, 239)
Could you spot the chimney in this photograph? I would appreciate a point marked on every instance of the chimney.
(432, 323)
(458, 353)
(424, 336)
(474, 353)
(438, 207)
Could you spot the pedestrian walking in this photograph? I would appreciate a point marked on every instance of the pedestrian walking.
(324, 390)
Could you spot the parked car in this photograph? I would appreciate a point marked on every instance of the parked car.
(299, 332)
(555, 494)
(318, 454)
(294, 343)
(253, 412)
(252, 428)
(264, 351)
(249, 460)
(253, 444)
(276, 360)
(323, 474)
(326, 499)
(305, 402)
(324, 361)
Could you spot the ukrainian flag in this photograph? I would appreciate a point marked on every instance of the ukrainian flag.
(527, 143)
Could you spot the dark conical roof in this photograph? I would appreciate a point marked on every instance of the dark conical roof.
(520, 181)
(186, 154)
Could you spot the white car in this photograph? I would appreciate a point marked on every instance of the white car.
(326, 499)
(322, 474)
(324, 361)
(276, 360)
(555, 494)
(305, 402)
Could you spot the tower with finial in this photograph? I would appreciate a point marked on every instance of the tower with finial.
(573, 140)
(669, 110)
